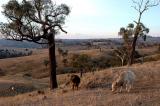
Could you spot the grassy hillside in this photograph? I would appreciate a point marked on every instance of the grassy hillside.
(95, 90)
(29, 74)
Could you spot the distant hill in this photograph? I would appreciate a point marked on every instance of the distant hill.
(18, 44)
(150, 40)
(115, 41)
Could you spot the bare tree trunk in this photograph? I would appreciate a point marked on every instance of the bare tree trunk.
(52, 58)
(122, 60)
(81, 72)
(131, 58)
(100, 49)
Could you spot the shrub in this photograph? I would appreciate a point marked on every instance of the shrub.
(152, 58)
(2, 72)
(65, 62)
(137, 54)
(46, 62)
(66, 70)
(27, 75)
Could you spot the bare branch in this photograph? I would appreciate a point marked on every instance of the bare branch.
(142, 6)
(138, 4)
(135, 8)
(60, 27)
(36, 23)
(26, 40)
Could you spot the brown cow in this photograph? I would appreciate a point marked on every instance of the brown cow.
(75, 80)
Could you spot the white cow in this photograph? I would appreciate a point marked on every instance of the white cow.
(126, 78)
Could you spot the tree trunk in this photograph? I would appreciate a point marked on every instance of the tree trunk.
(81, 72)
(122, 60)
(131, 59)
(52, 58)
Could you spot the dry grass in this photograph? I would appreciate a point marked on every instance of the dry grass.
(33, 65)
(95, 89)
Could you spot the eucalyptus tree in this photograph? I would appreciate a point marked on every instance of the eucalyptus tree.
(35, 21)
(122, 54)
(134, 31)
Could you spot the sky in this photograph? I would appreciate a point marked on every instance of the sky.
(102, 18)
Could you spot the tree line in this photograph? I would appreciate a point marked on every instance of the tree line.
(9, 53)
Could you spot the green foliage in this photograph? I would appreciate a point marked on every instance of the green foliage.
(137, 54)
(88, 63)
(66, 70)
(89, 44)
(80, 61)
(65, 62)
(60, 50)
(120, 51)
(104, 62)
(130, 36)
(33, 20)
(10, 53)
(2, 72)
(46, 62)
(129, 32)
(65, 53)
(122, 54)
